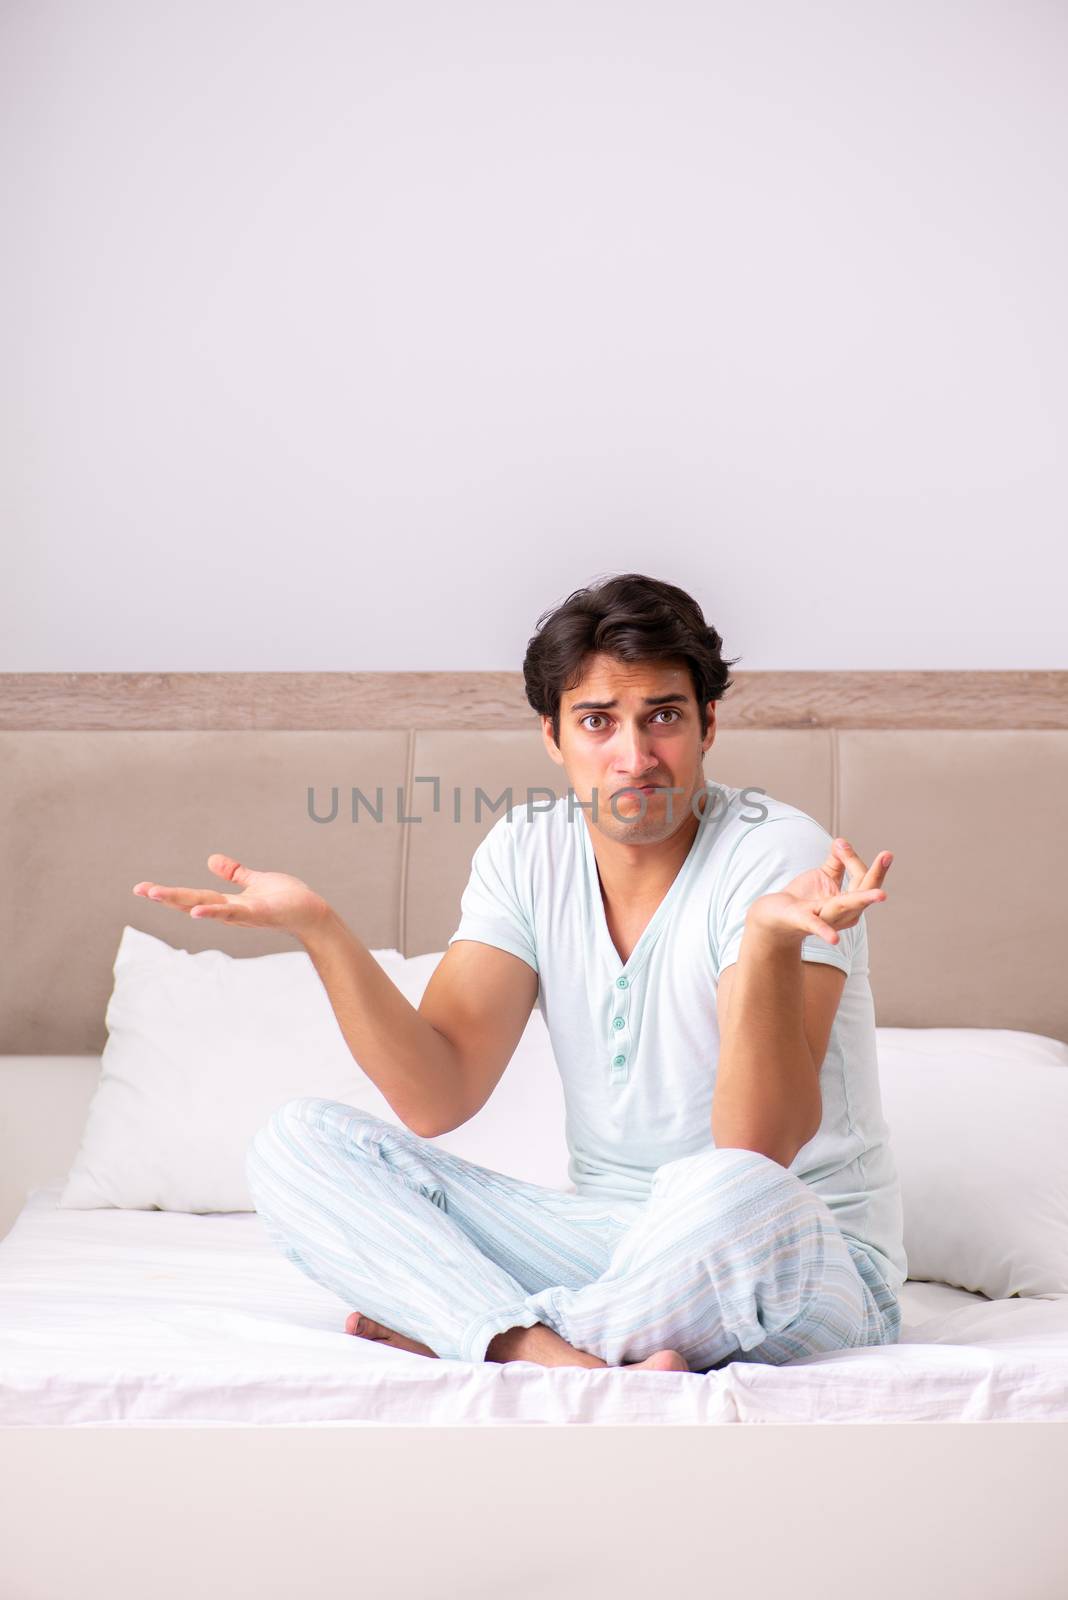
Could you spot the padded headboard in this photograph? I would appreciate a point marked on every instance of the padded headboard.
(95, 795)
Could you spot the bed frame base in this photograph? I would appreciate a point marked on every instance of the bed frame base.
(880, 1510)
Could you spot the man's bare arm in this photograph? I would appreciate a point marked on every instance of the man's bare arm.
(438, 1065)
(775, 1014)
(413, 1065)
(481, 999)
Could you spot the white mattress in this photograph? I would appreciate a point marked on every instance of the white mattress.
(123, 1318)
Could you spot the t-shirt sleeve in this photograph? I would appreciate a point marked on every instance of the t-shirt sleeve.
(765, 859)
(493, 906)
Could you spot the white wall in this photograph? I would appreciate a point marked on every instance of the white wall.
(338, 335)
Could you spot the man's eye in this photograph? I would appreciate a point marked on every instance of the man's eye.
(595, 716)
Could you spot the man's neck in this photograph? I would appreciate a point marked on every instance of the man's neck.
(635, 878)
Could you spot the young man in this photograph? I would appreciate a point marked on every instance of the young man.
(703, 974)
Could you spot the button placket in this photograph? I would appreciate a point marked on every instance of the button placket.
(619, 1029)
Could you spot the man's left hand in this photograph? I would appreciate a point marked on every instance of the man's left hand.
(816, 902)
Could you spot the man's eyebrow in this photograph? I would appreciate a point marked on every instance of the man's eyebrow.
(650, 700)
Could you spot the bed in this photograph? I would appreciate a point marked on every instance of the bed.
(167, 1372)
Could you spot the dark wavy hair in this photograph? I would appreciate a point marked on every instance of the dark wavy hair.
(631, 618)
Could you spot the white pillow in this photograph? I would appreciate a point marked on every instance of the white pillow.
(978, 1123)
(203, 1047)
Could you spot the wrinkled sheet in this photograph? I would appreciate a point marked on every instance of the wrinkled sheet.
(125, 1318)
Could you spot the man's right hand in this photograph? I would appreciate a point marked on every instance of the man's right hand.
(267, 899)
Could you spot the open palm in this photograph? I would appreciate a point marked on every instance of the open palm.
(816, 901)
(267, 899)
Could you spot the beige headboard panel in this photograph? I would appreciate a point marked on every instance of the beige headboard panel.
(975, 931)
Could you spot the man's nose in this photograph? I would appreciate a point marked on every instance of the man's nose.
(634, 755)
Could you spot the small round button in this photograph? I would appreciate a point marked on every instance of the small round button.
(619, 1061)
(621, 983)
(618, 1022)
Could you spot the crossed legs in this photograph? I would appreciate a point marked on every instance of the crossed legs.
(732, 1257)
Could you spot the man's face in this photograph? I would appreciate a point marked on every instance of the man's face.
(615, 737)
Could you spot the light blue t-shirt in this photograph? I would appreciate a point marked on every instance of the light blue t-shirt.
(637, 1042)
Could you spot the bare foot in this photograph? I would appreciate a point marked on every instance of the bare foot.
(662, 1361)
(365, 1328)
(546, 1348)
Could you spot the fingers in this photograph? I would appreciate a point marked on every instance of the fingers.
(853, 900)
(227, 867)
(185, 899)
(860, 876)
(857, 899)
(845, 910)
(181, 899)
(848, 856)
(804, 916)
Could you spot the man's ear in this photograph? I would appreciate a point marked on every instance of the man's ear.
(706, 743)
(550, 744)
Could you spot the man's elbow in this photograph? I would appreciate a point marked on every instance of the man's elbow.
(782, 1153)
(793, 1146)
(782, 1146)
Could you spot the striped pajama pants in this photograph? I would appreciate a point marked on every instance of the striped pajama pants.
(730, 1258)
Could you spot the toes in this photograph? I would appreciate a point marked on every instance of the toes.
(365, 1327)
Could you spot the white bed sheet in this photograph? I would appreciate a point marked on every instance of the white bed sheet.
(126, 1318)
